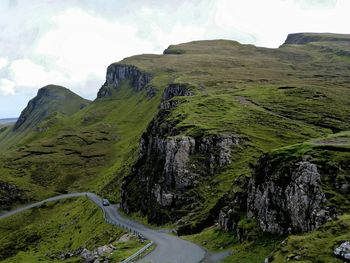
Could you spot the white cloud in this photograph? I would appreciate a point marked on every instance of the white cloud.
(3, 62)
(82, 45)
(24, 72)
(178, 34)
(271, 21)
(7, 87)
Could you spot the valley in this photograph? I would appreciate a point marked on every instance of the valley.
(232, 146)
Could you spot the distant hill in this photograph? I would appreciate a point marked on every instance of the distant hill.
(8, 120)
(305, 38)
(49, 99)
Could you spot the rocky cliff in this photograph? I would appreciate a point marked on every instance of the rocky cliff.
(171, 163)
(116, 73)
(298, 193)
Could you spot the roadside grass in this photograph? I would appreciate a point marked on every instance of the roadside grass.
(59, 227)
(213, 239)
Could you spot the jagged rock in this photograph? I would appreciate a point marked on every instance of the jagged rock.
(228, 220)
(106, 249)
(119, 72)
(343, 251)
(88, 256)
(174, 90)
(9, 195)
(287, 199)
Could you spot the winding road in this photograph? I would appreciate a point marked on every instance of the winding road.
(169, 248)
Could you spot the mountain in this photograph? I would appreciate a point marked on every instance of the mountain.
(49, 99)
(210, 132)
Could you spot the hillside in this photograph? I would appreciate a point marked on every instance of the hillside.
(176, 138)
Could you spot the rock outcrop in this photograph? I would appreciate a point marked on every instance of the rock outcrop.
(171, 163)
(343, 251)
(174, 90)
(287, 198)
(116, 73)
(9, 195)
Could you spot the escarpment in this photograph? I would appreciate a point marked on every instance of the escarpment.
(289, 199)
(116, 73)
(171, 163)
(298, 194)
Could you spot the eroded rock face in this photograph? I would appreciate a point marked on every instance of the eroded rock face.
(287, 199)
(171, 164)
(174, 90)
(119, 72)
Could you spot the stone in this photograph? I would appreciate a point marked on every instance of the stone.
(343, 251)
(106, 249)
(87, 256)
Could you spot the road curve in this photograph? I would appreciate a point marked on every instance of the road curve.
(169, 248)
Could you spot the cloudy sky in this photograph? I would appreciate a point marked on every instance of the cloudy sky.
(71, 42)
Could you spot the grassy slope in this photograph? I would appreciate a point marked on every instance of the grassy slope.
(273, 97)
(82, 152)
(34, 235)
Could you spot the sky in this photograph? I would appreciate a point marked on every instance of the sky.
(71, 42)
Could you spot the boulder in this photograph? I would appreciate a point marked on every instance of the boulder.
(343, 251)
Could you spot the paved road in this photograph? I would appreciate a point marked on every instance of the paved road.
(51, 199)
(169, 248)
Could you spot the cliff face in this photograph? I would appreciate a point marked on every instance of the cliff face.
(119, 72)
(170, 165)
(299, 194)
(287, 200)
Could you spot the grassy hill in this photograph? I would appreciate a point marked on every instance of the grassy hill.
(270, 98)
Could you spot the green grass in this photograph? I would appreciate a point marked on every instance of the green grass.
(36, 234)
(213, 239)
(91, 150)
